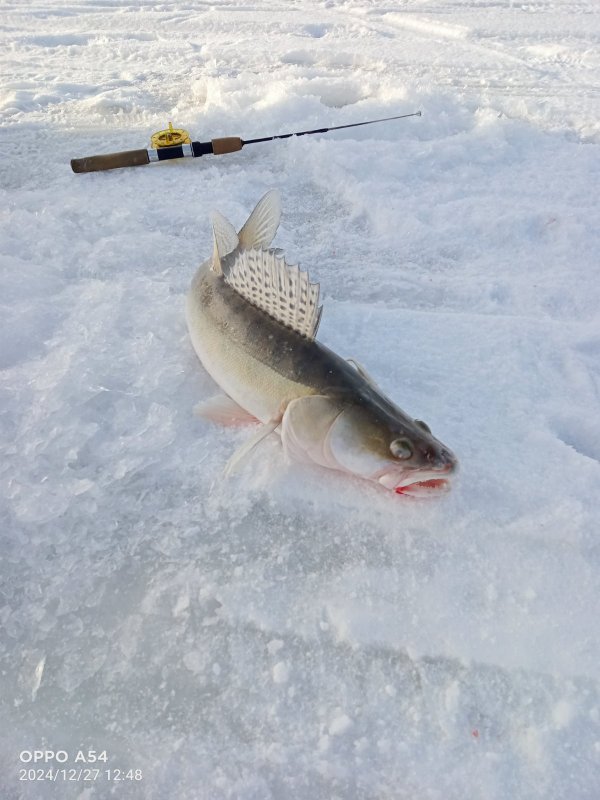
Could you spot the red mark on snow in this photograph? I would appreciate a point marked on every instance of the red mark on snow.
(475, 733)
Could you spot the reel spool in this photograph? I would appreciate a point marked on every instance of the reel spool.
(169, 138)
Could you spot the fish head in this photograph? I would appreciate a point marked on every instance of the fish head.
(390, 448)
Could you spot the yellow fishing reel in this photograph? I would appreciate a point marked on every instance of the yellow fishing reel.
(170, 137)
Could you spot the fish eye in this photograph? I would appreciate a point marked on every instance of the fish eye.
(401, 448)
(423, 425)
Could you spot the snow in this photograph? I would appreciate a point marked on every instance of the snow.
(289, 632)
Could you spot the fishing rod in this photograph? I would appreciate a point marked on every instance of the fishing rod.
(176, 143)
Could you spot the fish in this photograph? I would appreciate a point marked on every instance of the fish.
(252, 319)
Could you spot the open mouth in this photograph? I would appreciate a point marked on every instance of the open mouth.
(432, 482)
(422, 488)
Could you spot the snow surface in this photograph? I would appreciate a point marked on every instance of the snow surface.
(291, 633)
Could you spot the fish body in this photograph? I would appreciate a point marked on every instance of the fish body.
(252, 320)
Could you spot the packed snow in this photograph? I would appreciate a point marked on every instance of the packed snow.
(290, 632)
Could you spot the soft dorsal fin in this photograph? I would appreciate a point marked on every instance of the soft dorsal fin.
(225, 239)
(262, 223)
(283, 291)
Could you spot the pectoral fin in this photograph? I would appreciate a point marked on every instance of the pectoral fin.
(241, 453)
(224, 411)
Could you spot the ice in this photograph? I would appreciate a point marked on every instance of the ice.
(289, 632)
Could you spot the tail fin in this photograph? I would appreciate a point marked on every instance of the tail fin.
(257, 233)
(262, 224)
(225, 240)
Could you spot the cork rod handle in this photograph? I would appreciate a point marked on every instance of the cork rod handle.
(128, 158)
(230, 144)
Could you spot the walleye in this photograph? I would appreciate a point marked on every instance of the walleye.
(252, 319)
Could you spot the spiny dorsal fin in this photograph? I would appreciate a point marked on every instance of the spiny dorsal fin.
(280, 289)
(225, 239)
(263, 222)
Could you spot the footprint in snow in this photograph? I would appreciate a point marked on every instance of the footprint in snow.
(580, 434)
(316, 31)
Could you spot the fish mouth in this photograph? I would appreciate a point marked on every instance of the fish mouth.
(418, 483)
(424, 488)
